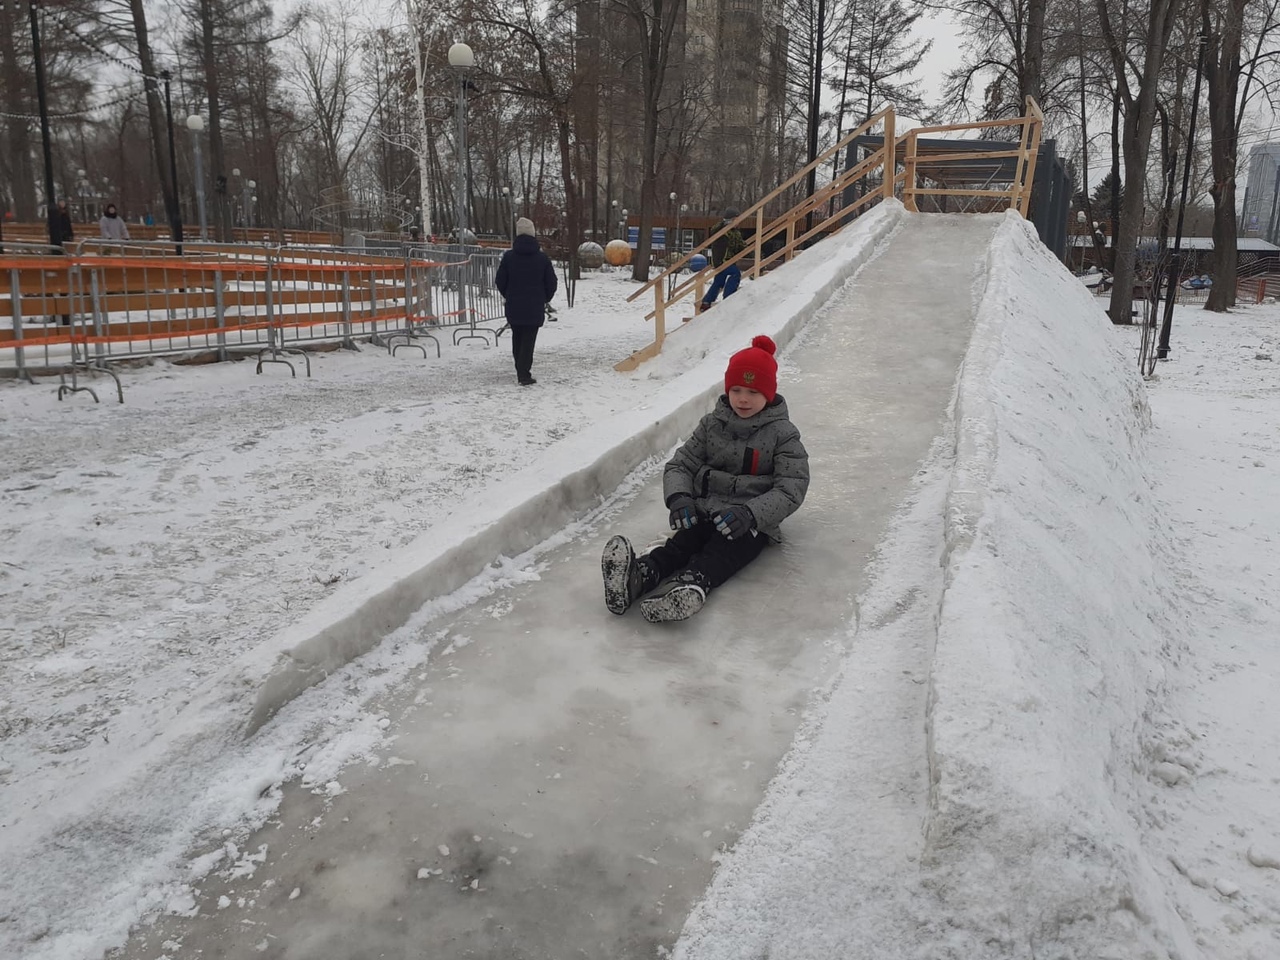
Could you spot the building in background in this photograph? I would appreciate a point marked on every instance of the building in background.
(1261, 214)
(722, 136)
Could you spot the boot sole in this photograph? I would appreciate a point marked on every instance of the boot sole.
(680, 603)
(615, 564)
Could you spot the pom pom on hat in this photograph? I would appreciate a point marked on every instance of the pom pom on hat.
(755, 368)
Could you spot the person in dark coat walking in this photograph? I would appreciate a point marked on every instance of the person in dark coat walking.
(60, 232)
(60, 225)
(527, 281)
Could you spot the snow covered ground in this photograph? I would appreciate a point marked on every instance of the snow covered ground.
(149, 543)
(1088, 562)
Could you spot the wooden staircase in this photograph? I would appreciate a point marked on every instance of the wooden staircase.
(896, 169)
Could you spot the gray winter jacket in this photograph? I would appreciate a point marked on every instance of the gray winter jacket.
(729, 461)
(113, 228)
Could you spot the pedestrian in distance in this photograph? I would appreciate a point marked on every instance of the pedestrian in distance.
(60, 233)
(728, 489)
(527, 281)
(724, 248)
(112, 227)
(60, 230)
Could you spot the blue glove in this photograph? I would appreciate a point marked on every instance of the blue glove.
(684, 511)
(735, 522)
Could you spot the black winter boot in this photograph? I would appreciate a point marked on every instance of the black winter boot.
(626, 577)
(679, 598)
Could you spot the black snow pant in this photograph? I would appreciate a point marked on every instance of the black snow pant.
(704, 550)
(522, 340)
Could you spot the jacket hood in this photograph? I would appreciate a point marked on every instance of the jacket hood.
(738, 427)
(526, 244)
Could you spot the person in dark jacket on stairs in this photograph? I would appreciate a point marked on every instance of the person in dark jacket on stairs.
(527, 281)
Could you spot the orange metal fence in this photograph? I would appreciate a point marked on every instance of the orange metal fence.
(80, 309)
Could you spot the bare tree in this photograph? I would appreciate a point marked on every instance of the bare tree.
(654, 22)
(1139, 98)
(1004, 55)
(328, 80)
(1232, 82)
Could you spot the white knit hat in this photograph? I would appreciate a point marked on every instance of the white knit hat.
(524, 227)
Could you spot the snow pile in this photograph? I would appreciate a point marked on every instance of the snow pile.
(982, 799)
(1047, 658)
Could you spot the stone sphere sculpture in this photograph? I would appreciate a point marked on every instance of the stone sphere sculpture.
(591, 255)
(618, 253)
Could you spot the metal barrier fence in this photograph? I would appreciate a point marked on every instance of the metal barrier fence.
(76, 311)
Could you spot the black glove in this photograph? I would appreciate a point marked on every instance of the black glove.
(735, 522)
(684, 511)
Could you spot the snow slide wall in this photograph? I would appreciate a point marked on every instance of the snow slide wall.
(1048, 660)
(1021, 579)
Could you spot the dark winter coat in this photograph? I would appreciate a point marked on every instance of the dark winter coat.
(527, 280)
(60, 227)
(729, 461)
(730, 244)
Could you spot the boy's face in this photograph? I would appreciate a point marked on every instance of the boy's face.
(746, 402)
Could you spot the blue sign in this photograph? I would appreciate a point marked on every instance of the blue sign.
(659, 241)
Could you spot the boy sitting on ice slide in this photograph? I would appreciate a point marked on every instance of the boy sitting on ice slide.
(728, 488)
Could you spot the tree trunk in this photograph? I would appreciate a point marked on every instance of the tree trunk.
(155, 110)
(1033, 55)
(213, 91)
(815, 96)
(656, 24)
(17, 146)
(1139, 120)
(648, 194)
(571, 205)
(1222, 70)
(1098, 249)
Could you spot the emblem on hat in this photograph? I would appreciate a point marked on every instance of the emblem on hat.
(749, 376)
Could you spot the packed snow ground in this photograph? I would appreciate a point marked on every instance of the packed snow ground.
(1097, 578)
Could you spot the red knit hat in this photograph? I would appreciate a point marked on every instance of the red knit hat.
(754, 368)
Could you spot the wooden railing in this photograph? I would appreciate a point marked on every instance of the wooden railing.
(1018, 193)
(806, 221)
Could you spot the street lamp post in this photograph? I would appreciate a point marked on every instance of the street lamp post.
(249, 200)
(463, 61)
(613, 204)
(1081, 219)
(84, 186)
(195, 123)
(673, 215)
(246, 188)
(175, 214)
(622, 232)
(509, 213)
